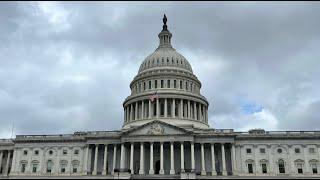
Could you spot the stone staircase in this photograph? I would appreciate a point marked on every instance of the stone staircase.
(155, 176)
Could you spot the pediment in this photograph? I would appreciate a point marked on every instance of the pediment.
(156, 128)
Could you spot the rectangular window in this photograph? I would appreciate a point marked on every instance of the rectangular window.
(262, 150)
(25, 152)
(139, 87)
(63, 168)
(187, 86)
(23, 168)
(144, 86)
(264, 168)
(297, 150)
(76, 152)
(65, 152)
(248, 151)
(149, 84)
(155, 84)
(174, 83)
(168, 83)
(282, 168)
(250, 168)
(311, 150)
(161, 83)
(300, 171)
(180, 84)
(34, 168)
(314, 170)
(75, 170)
(36, 152)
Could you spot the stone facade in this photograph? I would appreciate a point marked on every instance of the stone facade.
(165, 133)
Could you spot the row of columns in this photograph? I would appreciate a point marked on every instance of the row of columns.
(2, 155)
(172, 169)
(132, 112)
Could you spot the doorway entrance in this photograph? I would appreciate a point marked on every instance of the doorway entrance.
(157, 168)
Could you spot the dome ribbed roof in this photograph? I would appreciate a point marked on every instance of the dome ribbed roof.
(165, 57)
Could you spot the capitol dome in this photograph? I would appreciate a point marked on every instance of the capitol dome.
(165, 89)
(164, 58)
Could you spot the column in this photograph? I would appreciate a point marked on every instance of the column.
(149, 109)
(142, 110)
(173, 110)
(1, 154)
(213, 161)
(13, 163)
(7, 164)
(182, 157)
(105, 160)
(224, 171)
(85, 166)
(199, 112)
(181, 108)
(131, 112)
(141, 170)
(172, 171)
(233, 160)
(203, 114)
(136, 111)
(165, 108)
(203, 164)
(131, 157)
(151, 171)
(193, 167)
(124, 114)
(114, 157)
(122, 156)
(95, 160)
(161, 159)
(158, 108)
(206, 111)
(189, 110)
(195, 110)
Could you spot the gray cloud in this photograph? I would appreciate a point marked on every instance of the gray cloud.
(67, 66)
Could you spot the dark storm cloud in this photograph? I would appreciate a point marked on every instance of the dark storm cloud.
(66, 66)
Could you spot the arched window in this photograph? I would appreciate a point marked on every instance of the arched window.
(49, 166)
(281, 166)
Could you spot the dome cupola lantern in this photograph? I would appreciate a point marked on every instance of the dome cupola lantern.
(165, 35)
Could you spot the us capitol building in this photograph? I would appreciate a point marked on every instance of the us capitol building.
(165, 134)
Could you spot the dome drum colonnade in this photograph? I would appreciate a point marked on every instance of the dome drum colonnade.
(168, 74)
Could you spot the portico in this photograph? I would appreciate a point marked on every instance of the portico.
(160, 148)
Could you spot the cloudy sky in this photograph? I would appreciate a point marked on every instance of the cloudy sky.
(66, 66)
